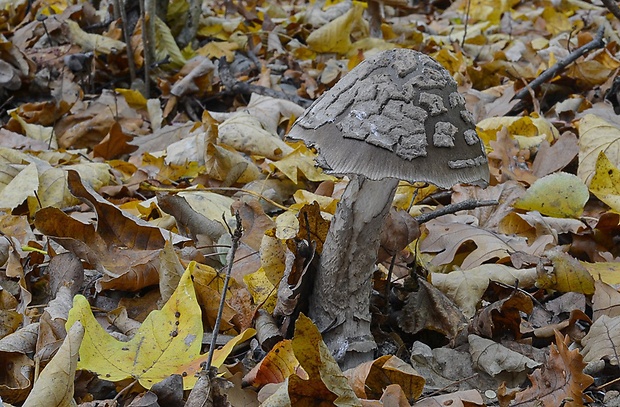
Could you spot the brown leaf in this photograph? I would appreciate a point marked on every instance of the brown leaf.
(560, 381)
(429, 308)
(369, 379)
(503, 316)
(114, 144)
(122, 247)
(603, 340)
(553, 158)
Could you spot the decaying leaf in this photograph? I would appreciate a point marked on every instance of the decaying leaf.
(560, 381)
(603, 340)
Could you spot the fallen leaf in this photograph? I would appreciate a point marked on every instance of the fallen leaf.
(466, 287)
(55, 385)
(560, 381)
(560, 195)
(493, 358)
(335, 35)
(166, 340)
(369, 379)
(596, 135)
(603, 341)
(605, 182)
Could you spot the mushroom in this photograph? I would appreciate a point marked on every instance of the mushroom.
(395, 116)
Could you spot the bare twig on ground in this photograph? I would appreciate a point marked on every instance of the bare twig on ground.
(148, 14)
(119, 7)
(236, 236)
(597, 42)
(613, 7)
(452, 208)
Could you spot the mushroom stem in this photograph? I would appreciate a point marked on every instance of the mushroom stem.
(340, 304)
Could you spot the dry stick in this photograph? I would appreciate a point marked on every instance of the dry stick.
(466, 22)
(131, 64)
(452, 208)
(148, 9)
(597, 42)
(612, 6)
(235, 86)
(236, 236)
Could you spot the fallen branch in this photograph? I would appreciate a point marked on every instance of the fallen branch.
(452, 208)
(612, 6)
(597, 42)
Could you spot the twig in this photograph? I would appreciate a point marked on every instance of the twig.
(236, 87)
(454, 383)
(466, 22)
(597, 42)
(612, 6)
(452, 208)
(119, 5)
(236, 236)
(602, 386)
(148, 14)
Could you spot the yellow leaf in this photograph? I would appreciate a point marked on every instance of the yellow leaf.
(287, 225)
(220, 355)
(607, 272)
(221, 161)
(596, 135)
(303, 197)
(279, 363)
(134, 98)
(166, 45)
(605, 183)
(301, 159)
(166, 339)
(262, 290)
(36, 131)
(188, 370)
(93, 42)
(246, 133)
(218, 49)
(23, 186)
(264, 282)
(370, 379)
(559, 195)
(489, 10)
(521, 129)
(53, 191)
(567, 275)
(325, 379)
(557, 22)
(335, 36)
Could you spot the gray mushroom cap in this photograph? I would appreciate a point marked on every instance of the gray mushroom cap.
(396, 115)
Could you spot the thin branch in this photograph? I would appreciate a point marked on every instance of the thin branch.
(148, 14)
(612, 6)
(236, 237)
(119, 7)
(597, 42)
(452, 208)
(466, 22)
